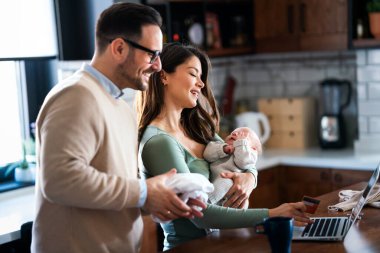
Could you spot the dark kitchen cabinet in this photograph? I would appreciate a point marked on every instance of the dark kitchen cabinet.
(220, 27)
(275, 29)
(342, 178)
(300, 25)
(267, 193)
(284, 184)
(299, 181)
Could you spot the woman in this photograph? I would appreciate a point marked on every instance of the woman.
(178, 117)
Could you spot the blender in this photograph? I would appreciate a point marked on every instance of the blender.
(335, 96)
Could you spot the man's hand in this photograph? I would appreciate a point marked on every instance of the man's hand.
(239, 192)
(164, 203)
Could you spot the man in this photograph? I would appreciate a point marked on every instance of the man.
(88, 193)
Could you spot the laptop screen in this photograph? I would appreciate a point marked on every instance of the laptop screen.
(356, 210)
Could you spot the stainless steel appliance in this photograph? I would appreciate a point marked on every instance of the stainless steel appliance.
(334, 98)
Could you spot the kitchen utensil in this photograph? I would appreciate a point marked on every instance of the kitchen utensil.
(335, 96)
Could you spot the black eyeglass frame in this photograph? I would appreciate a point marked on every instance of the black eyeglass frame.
(155, 53)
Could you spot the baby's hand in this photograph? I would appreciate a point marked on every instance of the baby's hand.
(228, 149)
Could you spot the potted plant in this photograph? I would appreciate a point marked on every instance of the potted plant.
(23, 170)
(373, 8)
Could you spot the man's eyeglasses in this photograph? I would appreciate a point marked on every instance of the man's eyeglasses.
(154, 53)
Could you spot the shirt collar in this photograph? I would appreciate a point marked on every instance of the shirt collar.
(107, 84)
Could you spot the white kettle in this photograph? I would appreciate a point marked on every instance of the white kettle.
(257, 121)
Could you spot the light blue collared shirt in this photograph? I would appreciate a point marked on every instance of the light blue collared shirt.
(115, 92)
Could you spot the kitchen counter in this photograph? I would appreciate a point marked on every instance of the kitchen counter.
(17, 207)
(317, 158)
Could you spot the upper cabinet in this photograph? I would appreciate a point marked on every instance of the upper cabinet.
(221, 27)
(300, 25)
(275, 26)
(231, 27)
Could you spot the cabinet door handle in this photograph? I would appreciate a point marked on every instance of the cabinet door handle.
(302, 17)
(290, 15)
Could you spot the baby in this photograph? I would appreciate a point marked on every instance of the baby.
(237, 154)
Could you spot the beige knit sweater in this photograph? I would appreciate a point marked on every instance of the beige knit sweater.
(87, 187)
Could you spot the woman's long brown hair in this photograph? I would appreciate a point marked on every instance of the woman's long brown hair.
(200, 122)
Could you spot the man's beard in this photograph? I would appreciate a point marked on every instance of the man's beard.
(134, 82)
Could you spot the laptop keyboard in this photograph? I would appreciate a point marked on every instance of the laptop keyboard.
(324, 227)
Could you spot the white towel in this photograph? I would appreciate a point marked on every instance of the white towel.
(189, 185)
(349, 198)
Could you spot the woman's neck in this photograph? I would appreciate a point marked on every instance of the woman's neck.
(168, 120)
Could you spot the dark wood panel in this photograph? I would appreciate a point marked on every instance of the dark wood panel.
(266, 195)
(342, 178)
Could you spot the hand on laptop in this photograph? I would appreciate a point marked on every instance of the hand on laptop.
(293, 210)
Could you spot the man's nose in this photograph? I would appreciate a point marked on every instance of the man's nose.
(156, 65)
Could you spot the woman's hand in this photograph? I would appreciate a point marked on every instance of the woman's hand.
(292, 210)
(239, 192)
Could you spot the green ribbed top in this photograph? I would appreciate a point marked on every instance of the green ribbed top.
(161, 152)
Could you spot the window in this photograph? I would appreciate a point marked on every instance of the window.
(27, 29)
(12, 108)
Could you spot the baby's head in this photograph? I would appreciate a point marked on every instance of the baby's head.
(245, 132)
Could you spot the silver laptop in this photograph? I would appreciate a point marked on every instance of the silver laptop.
(335, 228)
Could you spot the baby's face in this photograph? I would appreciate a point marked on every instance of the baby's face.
(244, 133)
(237, 134)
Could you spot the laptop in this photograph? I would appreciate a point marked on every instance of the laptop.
(335, 228)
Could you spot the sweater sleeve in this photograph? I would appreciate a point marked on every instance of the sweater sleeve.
(214, 151)
(70, 133)
(162, 152)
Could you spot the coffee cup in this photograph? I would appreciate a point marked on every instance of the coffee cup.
(279, 231)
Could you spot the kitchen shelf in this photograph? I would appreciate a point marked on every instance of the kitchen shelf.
(220, 27)
(230, 51)
(366, 43)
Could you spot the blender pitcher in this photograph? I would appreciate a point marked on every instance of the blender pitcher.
(335, 96)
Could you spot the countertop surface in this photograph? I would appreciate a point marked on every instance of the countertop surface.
(17, 207)
(334, 159)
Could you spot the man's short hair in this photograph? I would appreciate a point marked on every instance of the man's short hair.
(124, 20)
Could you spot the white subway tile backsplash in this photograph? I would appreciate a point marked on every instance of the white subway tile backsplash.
(270, 90)
(239, 74)
(374, 91)
(374, 56)
(369, 108)
(333, 72)
(362, 91)
(374, 124)
(361, 57)
(255, 76)
(363, 124)
(287, 75)
(311, 74)
(299, 89)
(368, 73)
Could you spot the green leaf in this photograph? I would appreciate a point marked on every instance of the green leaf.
(373, 6)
